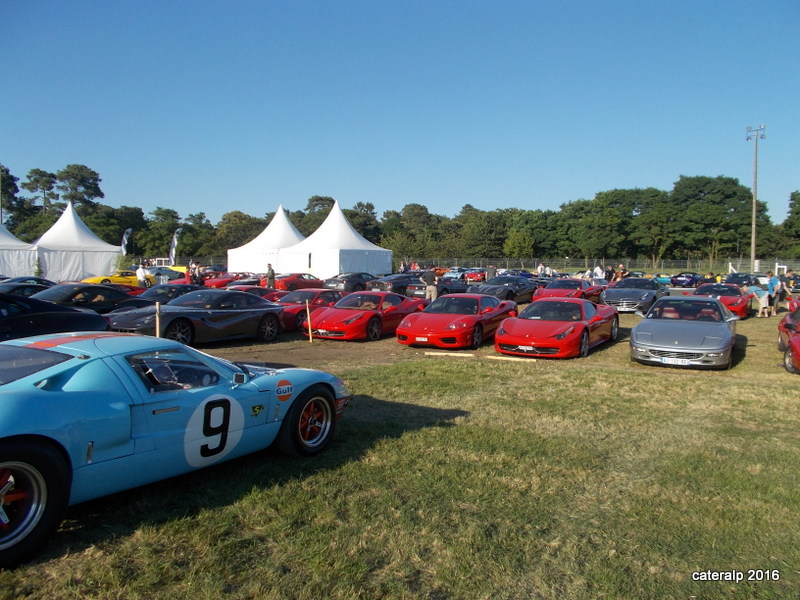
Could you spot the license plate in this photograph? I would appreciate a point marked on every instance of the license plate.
(420, 339)
(526, 348)
(376, 289)
(674, 361)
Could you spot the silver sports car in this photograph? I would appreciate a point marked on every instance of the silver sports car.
(685, 331)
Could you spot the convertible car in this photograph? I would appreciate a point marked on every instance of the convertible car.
(85, 415)
(363, 316)
(685, 331)
(558, 328)
(21, 317)
(127, 277)
(633, 293)
(204, 316)
(507, 287)
(731, 295)
(455, 321)
(569, 288)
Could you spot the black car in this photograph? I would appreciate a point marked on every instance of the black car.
(21, 289)
(633, 293)
(32, 280)
(445, 285)
(22, 317)
(97, 297)
(348, 282)
(741, 279)
(397, 282)
(161, 294)
(507, 287)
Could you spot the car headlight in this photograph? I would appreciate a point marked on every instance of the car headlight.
(352, 319)
(564, 334)
(644, 297)
(405, 323)
(456, 325)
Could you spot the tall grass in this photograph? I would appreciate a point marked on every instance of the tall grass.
(476, 478)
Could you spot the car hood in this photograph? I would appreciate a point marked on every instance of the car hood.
(335, 316)
(626, 293)
(487, 289)
(427, 322)
(557, 293)
(682, 334)
(536, 328)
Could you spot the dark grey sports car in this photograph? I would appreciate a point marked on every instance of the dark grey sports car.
(633, 293)
(507, 287)
(206, 315)
(685, 331)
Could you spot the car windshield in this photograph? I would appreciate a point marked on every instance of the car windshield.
(552, 311)
(198, 299)
(501, 280)
(16, 362)
(360, 302)
(564, 284)
(453, 306)
(685, 310)
(298, 297)
(56, 293)
(160, 293)
(636, 284)
(717, 290)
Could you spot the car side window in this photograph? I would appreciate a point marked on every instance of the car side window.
(589, 310)
(162, 371)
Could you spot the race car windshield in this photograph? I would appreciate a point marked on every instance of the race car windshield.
(297, 297)
(453, 306)
(636, 284)
(552, 311)
(16, 362)
(360, 302)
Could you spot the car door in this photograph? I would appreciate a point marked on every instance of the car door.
(490, 320)
(597, 326)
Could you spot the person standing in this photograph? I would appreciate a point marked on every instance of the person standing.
(429, 279)
(773, 288)
(491, 272)
(270, 276)
(141, 276)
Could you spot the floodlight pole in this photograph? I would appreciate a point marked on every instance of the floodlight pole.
(754, 134)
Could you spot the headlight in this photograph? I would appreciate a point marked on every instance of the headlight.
(456, 325)
(405, 322)
(352, 319)
(644, 297)
(564, 334)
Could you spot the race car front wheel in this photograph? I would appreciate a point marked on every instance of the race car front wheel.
(34, 492)
(309, 425)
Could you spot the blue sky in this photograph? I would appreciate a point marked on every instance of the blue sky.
(210, 106)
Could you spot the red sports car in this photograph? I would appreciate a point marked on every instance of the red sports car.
(363, 316)
(569, 288)
(294, 305)
(791, 356)
(558, 328)
(476, 274)
(270, 294)
(455, 321)
(730, 294)
(787, 327)
(224, 280)
(295, 281)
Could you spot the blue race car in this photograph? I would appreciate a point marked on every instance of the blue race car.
(87, 414)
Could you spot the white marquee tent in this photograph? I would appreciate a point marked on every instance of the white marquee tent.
(335, 247)
(17, 259)
(254, 256)
(69, 250)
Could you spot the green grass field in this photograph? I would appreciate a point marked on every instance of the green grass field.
(472, 478)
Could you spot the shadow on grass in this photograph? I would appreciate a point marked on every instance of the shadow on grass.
(366, 421)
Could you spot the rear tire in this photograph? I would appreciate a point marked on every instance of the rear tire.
(615, 329)
(310, 423)
(34, 492)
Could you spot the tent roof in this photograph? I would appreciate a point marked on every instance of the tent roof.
(70, 233)
(8, 241)
(335, 233)
(280, 233)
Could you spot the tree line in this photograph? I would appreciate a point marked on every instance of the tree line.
(703, 218)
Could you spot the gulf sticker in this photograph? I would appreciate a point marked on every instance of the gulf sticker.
(284, 390)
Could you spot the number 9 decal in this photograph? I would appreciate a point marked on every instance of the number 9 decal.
(213, 431)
